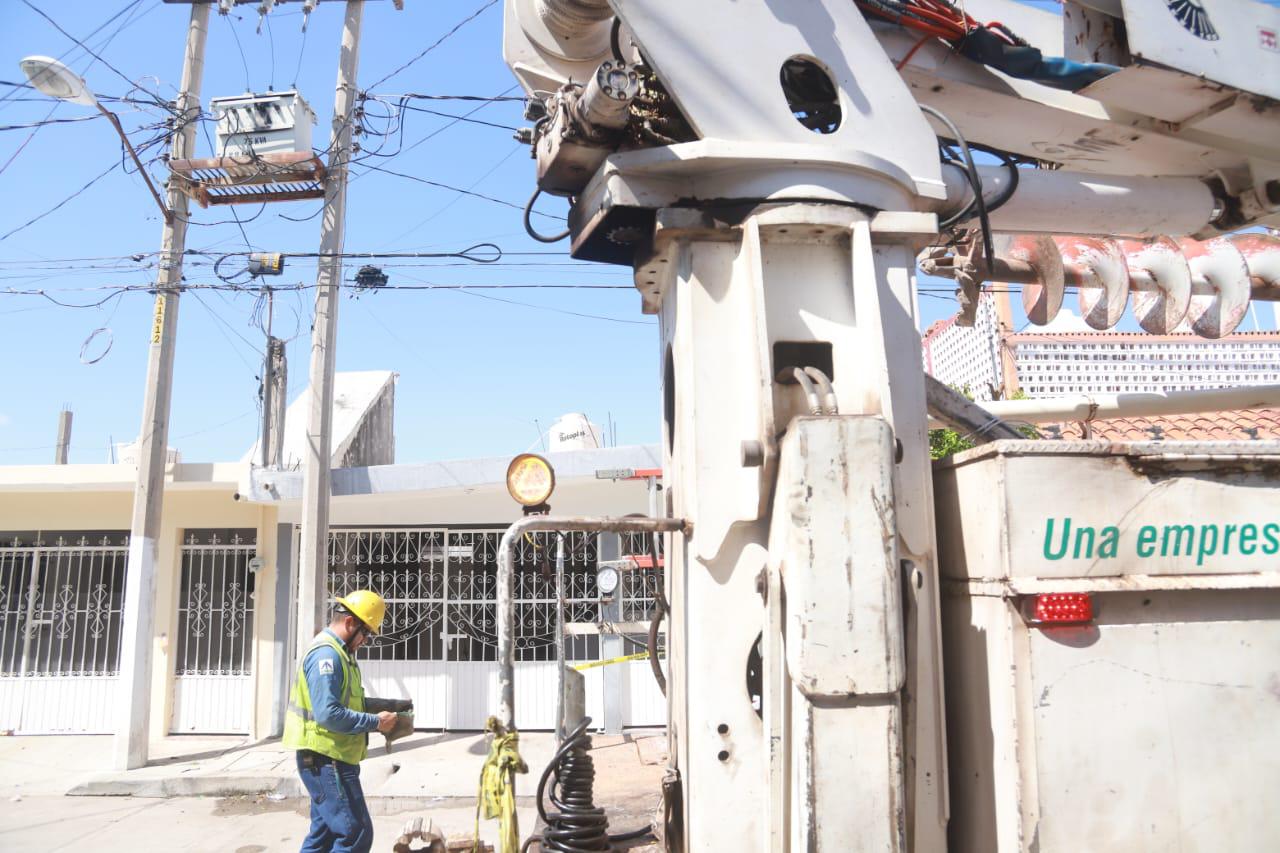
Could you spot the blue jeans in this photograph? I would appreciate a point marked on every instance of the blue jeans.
(340, 821)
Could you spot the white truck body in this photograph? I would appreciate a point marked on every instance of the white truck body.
(1152, 727)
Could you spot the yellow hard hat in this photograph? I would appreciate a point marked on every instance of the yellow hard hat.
(367, 606)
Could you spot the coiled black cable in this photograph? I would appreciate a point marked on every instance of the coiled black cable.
(577, 825)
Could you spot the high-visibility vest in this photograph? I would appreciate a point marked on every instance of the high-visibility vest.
(301, 731)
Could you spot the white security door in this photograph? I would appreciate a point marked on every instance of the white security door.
(61, 596)
(213, 662)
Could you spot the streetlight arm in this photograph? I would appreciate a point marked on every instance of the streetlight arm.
(115, 122)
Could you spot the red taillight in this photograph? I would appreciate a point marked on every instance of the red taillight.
(1061, 608)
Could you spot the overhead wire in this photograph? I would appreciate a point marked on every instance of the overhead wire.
(33, 220)
(248, 86)
(460, 190)
(271, 43)
(406, 149)
(302, 49)
(437, 42)
(456, 199)
(83, 46)
(79, 44)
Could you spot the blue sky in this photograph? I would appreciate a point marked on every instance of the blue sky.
(475, 372)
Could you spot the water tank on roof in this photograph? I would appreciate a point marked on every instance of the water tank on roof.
(574, 432)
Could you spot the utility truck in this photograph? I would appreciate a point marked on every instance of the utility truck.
(1034, 646)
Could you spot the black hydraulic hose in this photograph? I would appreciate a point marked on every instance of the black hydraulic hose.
(615, 45)
(577, 825)
(655, 621)
(528, 226)
(975, 182)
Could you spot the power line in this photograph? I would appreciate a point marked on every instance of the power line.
(127, 7)
(81, 43)
(436, 43)
(248, 87)
(558, 310)
(45, 122)
(445, 127)
(415, 96)
(460, 118)
(271, 42)
(456, 199)
(302, 48)
(33, 220)
(503, 202)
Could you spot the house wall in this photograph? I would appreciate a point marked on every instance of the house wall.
(484, 505)
(209, 507)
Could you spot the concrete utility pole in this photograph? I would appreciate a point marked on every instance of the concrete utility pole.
(275, 382)
(312, 592)
(138, 620)
(64, 437)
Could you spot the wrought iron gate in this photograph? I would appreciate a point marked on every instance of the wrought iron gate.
(213, 662)
(61, 596)
(439, 642)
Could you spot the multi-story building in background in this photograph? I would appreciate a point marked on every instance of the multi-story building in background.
(1068, 357)
(967, 356)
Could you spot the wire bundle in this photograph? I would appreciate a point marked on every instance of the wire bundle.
(929, 17)
(992, 44)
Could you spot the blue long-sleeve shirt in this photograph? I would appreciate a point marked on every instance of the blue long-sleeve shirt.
(323, 671)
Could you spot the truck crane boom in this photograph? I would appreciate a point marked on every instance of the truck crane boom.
(771, 171)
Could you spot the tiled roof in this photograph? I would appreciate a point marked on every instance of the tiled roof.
(1239, 425)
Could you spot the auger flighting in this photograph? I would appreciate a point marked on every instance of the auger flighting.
(1206, 284)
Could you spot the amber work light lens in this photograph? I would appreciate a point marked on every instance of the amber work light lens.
(530, 479)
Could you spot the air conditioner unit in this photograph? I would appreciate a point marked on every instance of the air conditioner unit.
(272, 123)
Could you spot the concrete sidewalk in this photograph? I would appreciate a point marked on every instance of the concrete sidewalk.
(431, 774)
(426, 766)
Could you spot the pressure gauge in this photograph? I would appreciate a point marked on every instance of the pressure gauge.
(607, 580)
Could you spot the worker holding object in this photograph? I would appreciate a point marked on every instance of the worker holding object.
(327, 723)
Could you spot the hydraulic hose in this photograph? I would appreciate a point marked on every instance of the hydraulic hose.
(577, 825)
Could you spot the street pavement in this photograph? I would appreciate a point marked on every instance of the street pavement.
(224, 794)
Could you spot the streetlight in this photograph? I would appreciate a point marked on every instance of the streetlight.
(56, 80)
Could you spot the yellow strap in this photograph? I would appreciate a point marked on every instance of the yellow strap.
(590, 664)
(497, 793)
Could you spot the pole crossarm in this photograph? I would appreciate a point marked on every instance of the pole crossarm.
(506, 574)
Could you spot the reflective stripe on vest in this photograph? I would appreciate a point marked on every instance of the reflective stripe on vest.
(301, 731)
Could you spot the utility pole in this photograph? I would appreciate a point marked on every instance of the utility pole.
(312, 592)
(1004, 328)
(138, 623)
(275, 383)
(64, 437)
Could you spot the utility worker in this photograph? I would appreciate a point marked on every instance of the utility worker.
(327, 724)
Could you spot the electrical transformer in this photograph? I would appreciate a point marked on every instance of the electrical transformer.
(272, 123)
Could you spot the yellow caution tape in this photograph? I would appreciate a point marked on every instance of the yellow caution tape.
(497, 795)
(595, 663)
